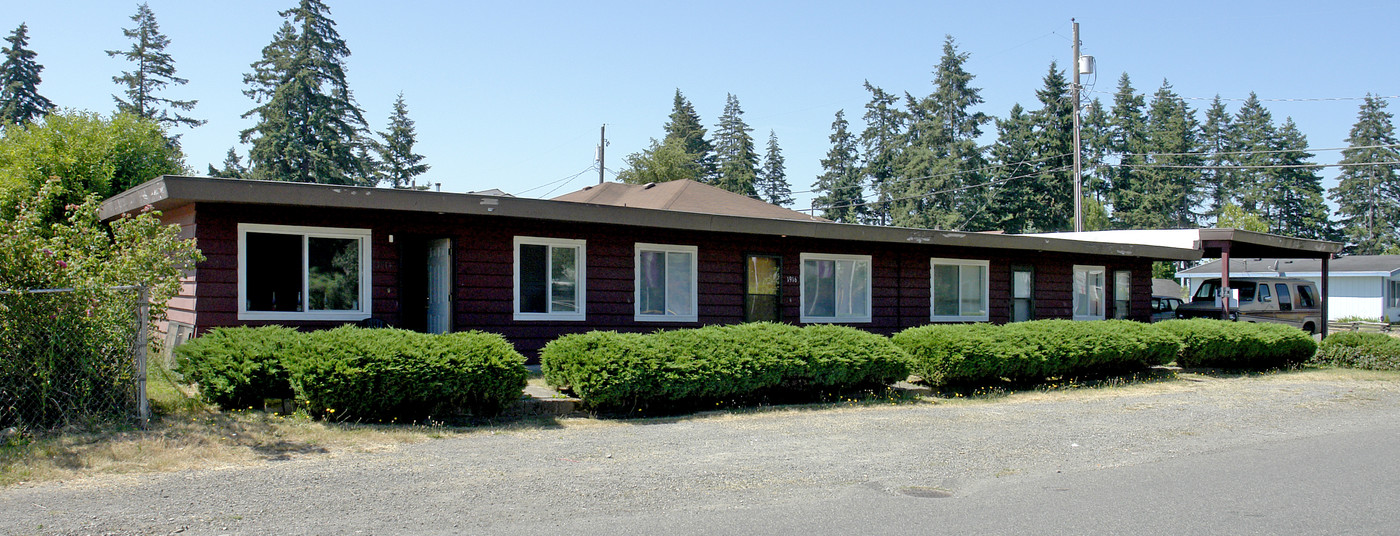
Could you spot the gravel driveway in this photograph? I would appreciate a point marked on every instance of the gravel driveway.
(546, 475)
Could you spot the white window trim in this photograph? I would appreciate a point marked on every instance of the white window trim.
(366, 271)
(1074, 302)
(802, 289)
(581, 260)
(986, 289)
(1127, 299)
(694, 283)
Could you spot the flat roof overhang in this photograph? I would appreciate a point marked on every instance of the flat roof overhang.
(167, 192)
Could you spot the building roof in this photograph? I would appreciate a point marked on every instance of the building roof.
(1213, 242)
(1350, 266)
(1166, 287)
(684, 196)
(171, 191)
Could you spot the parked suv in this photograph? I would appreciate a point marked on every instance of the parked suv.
(1260, 299)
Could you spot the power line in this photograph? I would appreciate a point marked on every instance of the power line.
(897, 180)
(1313, 99)
(1271, 151)
(552, 183)
(937, 192)
(1269, 166)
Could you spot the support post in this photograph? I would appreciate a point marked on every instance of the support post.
(1225, 281)
(143, 315)
(1322, 305)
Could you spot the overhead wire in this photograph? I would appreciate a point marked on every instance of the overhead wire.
(552, 183)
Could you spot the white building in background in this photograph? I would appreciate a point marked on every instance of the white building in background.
(1365, 286)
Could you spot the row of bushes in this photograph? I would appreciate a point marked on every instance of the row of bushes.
(625, 371)
(1239, 345)
(350, 373)
(1375, 351)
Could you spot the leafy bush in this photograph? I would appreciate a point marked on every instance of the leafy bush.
(239, 367)
(1239, 345)
(1033, 351)
(1375, 351)
(350, 373)
(670, 369)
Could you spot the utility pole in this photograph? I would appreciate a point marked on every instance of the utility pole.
(602, 142)
(1078, 179)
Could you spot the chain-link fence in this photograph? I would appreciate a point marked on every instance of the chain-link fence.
(73, 357)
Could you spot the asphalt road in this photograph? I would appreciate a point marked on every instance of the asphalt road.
(1259, 455)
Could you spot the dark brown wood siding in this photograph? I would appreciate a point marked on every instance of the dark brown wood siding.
(483, 283)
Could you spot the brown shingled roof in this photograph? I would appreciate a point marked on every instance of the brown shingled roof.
(683, 196)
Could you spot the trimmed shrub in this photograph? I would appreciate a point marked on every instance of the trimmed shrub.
(1374, 351)
(1033, 351)
(668, 369)
(1239, 345)
(350, 373)
(239, 367)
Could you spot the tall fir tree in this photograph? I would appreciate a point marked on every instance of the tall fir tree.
(685, 127)
(400, 165)
(1220, 185)
(1296, 197)
(1252, 140)
(1095, 143)
(1018, 195)
(20, 101)
(309, 128)
(233, 167)
(154, 70)
(838, 188)
(1053, 142)
(734, 151)
(1368, 191)
(882, 140)
(772, 180)
(1167, 188)
(1127, 140)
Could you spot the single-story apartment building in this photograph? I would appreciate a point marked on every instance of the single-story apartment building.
(613, 256)
(1365, 286)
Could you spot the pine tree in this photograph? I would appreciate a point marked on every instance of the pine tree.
(734, 151)
(20, 101)
(1127, 139)
(1053, 142)
(154, 71)
(772, 181)
(882, 140)
(1297, 194)
(309, 127)
(233, 167)
(684, 125)
(401, 165)
(839, 186)
(1017, 194)
(1368, 191)
(1252, 137)
(1220, 185)
(1095, 144)
(1167, 191)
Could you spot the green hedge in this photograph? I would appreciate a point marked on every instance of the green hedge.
(1375, 351)
(239, 367)
(668, 369)
(357, 374)
(1239, 345)
(1033, 351)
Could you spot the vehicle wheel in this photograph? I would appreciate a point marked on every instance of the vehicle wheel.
(1310, 328)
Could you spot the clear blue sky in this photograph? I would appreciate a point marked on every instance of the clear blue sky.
(510, 95)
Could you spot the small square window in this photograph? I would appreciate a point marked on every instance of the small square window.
(835, 288)
(549, 279)
(666, 283)
(959, 290)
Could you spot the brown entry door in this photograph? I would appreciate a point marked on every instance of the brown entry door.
(763, 291)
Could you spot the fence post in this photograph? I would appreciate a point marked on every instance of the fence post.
(143, 312)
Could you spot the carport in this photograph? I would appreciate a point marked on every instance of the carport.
(1223, 244)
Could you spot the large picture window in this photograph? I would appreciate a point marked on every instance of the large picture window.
(549, 279)
(835, 288)
(666, 289)
(303, 273)
(959, 290)
(1088, 292)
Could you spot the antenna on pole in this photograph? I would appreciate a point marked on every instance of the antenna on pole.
(602, 142)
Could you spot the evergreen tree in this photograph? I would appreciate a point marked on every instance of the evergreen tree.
(882, 140)
(772, 181)
(20, 101)
(1053, 142)
(233, 167)
(1166, 192)
(1296, 197)
(684, 125)
(734, 151)
(401, 165)
(309, 127)
(1252, 137)
(838, 188)
(1095, 143)
(1368, 191)
(1017, 194)
(1219, 183)
(1127, 140)
(154, 71)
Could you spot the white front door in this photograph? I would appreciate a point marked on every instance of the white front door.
(440, 286)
